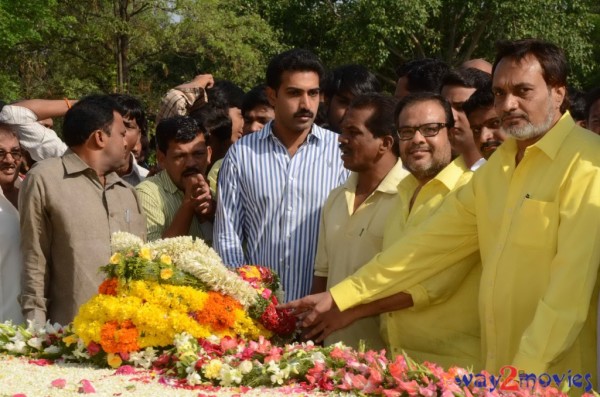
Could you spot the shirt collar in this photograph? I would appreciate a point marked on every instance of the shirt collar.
(448, 177)
(75, 165)
(316, 132)
(553, 140)
(167, 183)
(549, 144)
(388, 185)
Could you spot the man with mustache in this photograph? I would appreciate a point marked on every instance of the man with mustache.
(70, 206)
(177, 200)
(355, 213)
(273, 182)
(484, 121)
(532, 212)
(425, 333)
(10, 164)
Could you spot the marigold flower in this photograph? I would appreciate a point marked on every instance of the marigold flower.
(166, 259)
(119, 337)
(109, 287)
(115, 258)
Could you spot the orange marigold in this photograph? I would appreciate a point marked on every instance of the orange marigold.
(109, 287)
(218, 312)
(119, 338)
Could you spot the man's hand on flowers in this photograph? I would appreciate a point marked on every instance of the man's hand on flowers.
(311, 308)
(329, 322)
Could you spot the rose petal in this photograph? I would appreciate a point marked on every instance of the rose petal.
(59, 383)
(86, 387)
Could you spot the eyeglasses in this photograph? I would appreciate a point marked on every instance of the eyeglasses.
(16, 154)
(407, 133)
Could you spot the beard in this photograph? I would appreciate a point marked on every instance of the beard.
(530, 130)
(426, 171)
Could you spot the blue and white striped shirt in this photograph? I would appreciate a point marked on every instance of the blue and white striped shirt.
(269, 204)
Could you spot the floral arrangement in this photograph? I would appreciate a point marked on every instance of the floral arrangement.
(214, 364)
(172, 309)
(155, 291)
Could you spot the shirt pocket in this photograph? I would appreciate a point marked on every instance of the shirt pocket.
(536, 225)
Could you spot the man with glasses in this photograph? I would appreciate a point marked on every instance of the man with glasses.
(11, 261)
(10, 164)
(426, 332)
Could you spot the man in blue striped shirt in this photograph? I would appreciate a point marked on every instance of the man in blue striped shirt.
(273, 183)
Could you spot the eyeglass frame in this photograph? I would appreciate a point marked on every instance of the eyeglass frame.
(414, 130)
(16, 155)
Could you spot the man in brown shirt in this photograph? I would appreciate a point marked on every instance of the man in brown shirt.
(70, 206)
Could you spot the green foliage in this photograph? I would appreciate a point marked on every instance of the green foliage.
(71, 48)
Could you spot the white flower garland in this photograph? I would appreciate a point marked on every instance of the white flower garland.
(194, 257)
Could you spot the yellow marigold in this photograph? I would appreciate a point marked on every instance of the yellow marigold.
(145, 253)
(166, 259)
(114, 360)
(115, 258)
(166, 274)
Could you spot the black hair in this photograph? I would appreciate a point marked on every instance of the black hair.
(552, 59)
(226, 94)
(591, 97)
(577, 104)
(423, 75)
(352, 79)
(133, 108)
(467, 77)
(482, 98)
(89, 114)
(257, 96)
(181, 129)
(297, 60)
(419, 97)
(381, 122)
(214, 121)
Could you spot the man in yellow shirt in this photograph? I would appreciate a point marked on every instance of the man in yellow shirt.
(443, 326)
(355, 213)
(532, 211)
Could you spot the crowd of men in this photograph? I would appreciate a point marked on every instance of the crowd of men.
(458, 220)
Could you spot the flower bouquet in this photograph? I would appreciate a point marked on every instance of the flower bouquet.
(154, 291)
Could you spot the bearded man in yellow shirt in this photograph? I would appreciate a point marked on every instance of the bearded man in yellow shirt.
(532, 211)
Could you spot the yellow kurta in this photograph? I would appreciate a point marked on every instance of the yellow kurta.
(443, 326)
(538, 230)
(348, 239)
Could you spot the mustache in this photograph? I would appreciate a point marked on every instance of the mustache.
(414, 147)
(191, 171)
(304, 113)
(487, 144)
(505, 116)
